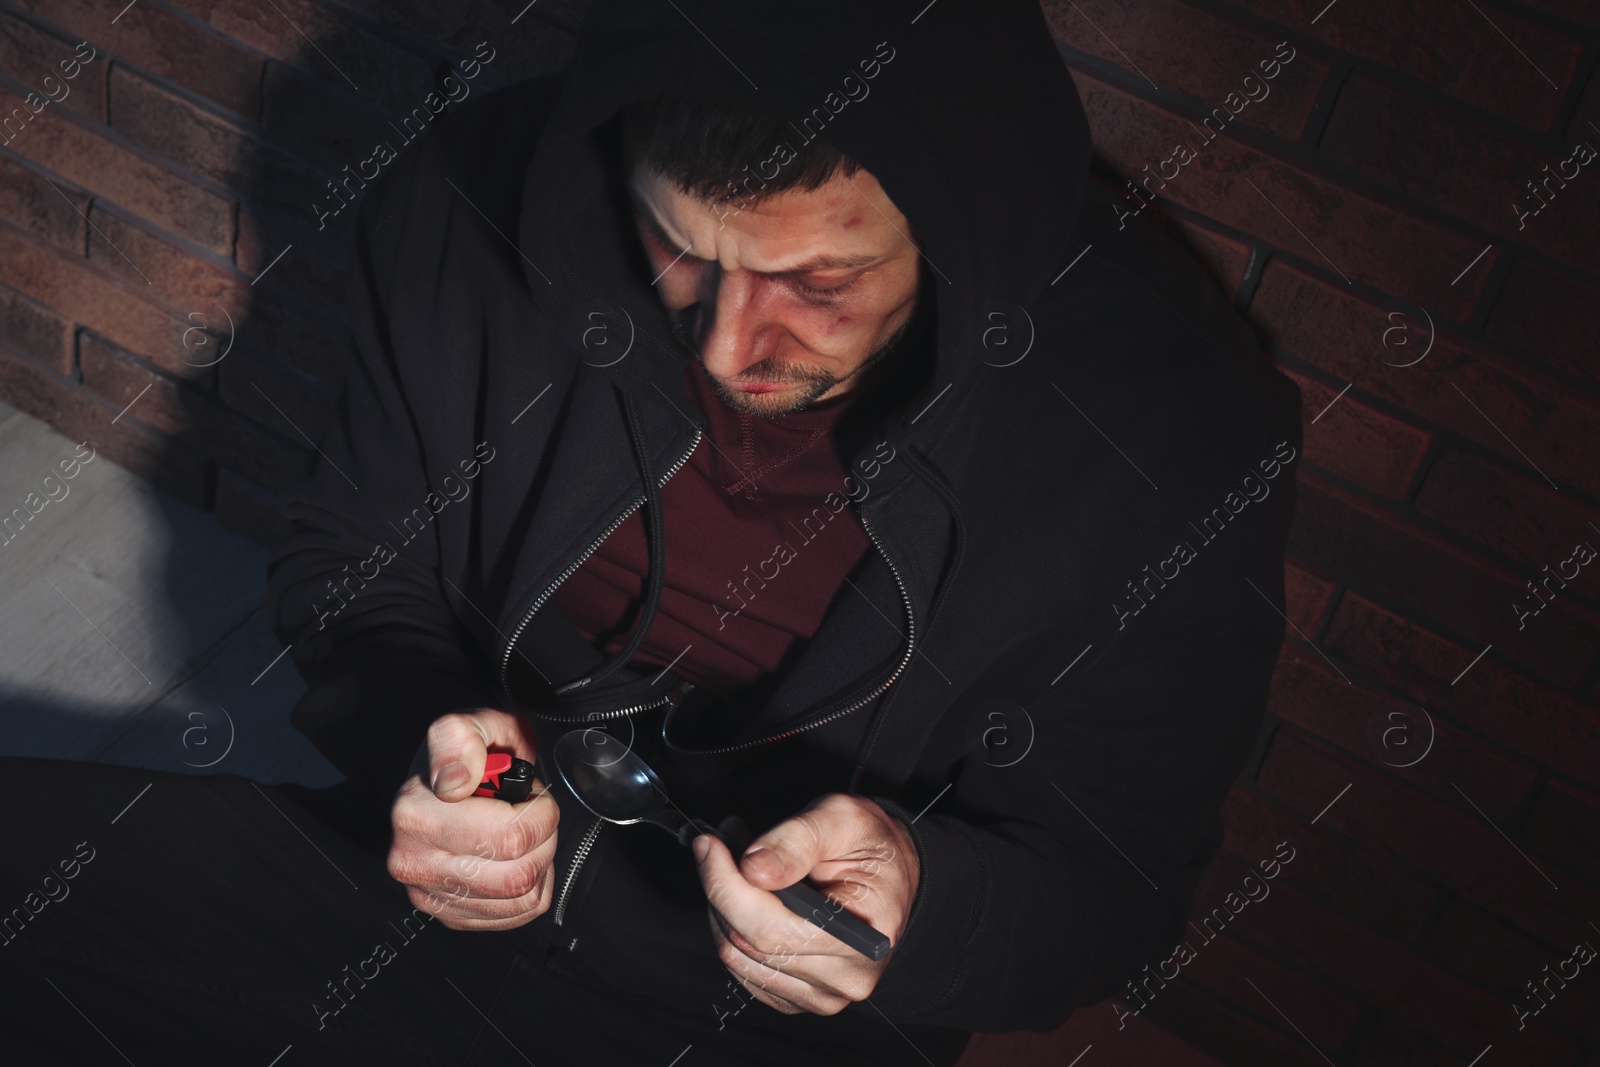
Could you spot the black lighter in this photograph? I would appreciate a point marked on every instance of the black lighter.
(506, 777)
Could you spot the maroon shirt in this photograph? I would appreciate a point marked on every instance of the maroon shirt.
(755, 550)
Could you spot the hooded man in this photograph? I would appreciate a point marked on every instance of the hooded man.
(770, 397)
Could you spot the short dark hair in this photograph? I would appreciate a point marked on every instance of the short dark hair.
(705, 146)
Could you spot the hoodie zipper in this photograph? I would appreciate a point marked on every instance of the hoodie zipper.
(516, 635)
(587, 844)
(911, 644)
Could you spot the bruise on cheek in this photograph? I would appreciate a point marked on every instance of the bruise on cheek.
(852, 222)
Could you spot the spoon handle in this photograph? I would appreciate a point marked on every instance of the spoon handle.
(812, 906)
(818, 910)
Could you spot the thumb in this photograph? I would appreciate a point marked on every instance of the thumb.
(770, 864)
(458, 747)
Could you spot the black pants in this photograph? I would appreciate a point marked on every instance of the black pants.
(157, 918)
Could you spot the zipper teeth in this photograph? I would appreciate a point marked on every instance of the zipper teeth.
(577, 861)
(615, 713)
(911, 644)
(516, 635)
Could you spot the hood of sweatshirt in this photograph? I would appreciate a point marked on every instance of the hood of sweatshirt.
(964, 112)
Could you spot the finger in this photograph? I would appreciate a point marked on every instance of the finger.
(830, 828)
(458, 748)
(463, 913)
(477, 828)
(754, 916)
(782, 982)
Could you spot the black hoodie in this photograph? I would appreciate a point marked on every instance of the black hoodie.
(1053, 664)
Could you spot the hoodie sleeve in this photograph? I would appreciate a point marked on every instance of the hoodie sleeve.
(368, 627)
(1047, 884)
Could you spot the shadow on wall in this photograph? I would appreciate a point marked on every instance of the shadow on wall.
(177, 231)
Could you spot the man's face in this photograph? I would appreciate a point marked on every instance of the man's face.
(788, 300)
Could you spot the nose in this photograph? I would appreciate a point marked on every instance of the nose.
(735, 327)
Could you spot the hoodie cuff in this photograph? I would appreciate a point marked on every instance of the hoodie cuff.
(370, 722)
(928, 965)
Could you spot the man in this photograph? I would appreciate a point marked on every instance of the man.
(772, 398)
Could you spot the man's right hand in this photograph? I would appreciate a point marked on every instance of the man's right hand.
(478, 863)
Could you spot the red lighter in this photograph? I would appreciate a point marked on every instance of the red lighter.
(506, 777)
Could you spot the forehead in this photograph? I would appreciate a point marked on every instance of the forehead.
(844, 219)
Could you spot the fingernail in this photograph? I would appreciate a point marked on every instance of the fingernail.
(764, 862)
(702, 846)
(451, 776)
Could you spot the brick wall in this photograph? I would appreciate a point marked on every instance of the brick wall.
(1432, 757)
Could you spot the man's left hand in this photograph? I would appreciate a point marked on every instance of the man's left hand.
(856, 854)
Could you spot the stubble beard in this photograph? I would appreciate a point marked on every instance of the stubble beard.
(763, 405)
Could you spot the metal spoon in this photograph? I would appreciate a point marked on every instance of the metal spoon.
(618, 786)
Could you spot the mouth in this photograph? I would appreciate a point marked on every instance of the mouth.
(757, 387)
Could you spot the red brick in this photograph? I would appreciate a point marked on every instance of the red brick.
(1381, 552)
(1584, 125)
(1385, 732)
(249, 509)
(1452, 845)
(32, 330)
(1504, 707)
(1225, 966)
(1533, 317)
(29, 55)
(1404, 983)
(1386, 1045)
(27, 200)
(168, 46)
(77, 290)
(59, 142)
(1370, 240)
(1342, 334)
(1308, 594)
(1493, 955)
(1356, 441)
(312, 271)
(211, 292)
(248, 383)
(1158, 38)
(223, 152)
(183, 279)
(1233, 1038)
(1354, 881)
(188, 414)
(1565, 825)
(1505, 510)
(1459, 53)
(127, 442)
(374, 68)
(1224, 257)
(1467, 167)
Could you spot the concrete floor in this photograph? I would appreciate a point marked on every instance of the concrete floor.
(133, 627)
